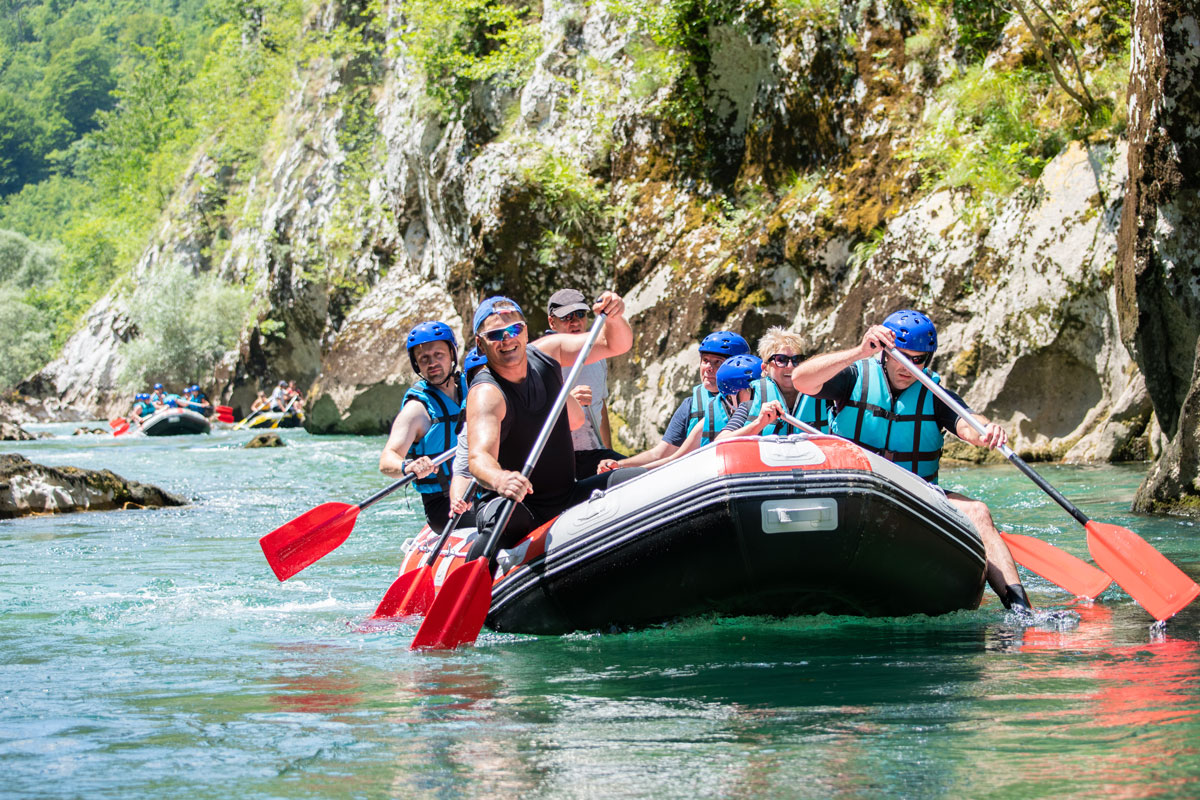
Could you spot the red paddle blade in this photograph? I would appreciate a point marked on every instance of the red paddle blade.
(225, 410)
(1155, 583)
(459, 610)
(411, 593)
(294, 545)
(1057, 566)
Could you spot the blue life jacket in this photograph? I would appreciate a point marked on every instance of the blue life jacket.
(814, 411)
(143, 409)
(446, 418)
(807, 409)
(717, 411)
(701, 397)
(902, 429)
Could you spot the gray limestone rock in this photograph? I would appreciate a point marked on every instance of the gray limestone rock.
(29, 488)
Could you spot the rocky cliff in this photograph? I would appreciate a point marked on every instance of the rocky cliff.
(733, 165)
(1158, 266)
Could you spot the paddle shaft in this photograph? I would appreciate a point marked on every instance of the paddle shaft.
(450, 526)
(559, 403)
(969, 418)
(382, 493)
(796, 423)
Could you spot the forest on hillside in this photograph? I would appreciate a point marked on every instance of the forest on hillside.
(102, 105)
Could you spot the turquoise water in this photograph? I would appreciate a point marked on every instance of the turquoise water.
(153, 654)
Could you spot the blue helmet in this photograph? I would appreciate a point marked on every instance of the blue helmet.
(158, 387)
(914, 331)
(474, 359)
(724, 343)
(430, 332)
(737, 373)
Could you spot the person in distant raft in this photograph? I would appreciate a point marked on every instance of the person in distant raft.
(508, 405)
(884, 408)
(279, 396)
(429, 418)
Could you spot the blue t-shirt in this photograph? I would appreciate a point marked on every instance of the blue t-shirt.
(677, 428)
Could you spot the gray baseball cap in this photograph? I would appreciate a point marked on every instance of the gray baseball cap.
(564, 301)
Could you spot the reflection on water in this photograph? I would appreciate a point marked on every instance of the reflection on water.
(152, 653)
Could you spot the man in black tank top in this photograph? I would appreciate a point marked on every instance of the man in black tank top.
(507, 408)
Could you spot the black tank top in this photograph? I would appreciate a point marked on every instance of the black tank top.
(527, 404)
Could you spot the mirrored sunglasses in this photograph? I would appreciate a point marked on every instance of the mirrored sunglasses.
(507, 332)
(578, 313)
(780, 360)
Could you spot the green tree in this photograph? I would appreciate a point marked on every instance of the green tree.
(25, 338)
(21, 159)
(78, 82)
(185, 323)
(151, 110)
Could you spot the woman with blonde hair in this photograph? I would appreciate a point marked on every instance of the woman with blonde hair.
(780, 351)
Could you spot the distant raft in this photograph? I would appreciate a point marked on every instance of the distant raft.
(748, 526)
(274, 419)
(175, 422)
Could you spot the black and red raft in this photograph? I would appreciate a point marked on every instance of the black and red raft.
(754, 525)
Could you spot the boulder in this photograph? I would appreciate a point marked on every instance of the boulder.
(12, 432)
(265, 440)
(28, 488)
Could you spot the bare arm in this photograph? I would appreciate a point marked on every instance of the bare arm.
(692, 442)
(485, 410)
(770, 412)
(576, 399)
(996, 436)
(810, 376)
(410, 425)
(614, 340)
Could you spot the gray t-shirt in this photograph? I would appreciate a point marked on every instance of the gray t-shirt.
(587, 436)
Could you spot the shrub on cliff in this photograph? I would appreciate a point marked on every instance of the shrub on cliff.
(185, 323)
(25, 337)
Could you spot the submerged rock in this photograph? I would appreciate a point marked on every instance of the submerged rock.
(28, 488)
(265, 440)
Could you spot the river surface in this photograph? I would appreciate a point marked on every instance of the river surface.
(152, 653)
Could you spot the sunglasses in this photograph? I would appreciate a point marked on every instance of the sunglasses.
(920, 358)
(780, 360)
(574, 315)
(507, 332)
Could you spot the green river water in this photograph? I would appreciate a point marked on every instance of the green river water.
(153, 654)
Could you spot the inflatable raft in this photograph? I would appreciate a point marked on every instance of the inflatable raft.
(175, 422)
(754, 525)
(275, 419)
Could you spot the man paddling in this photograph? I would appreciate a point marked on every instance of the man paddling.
(429, 418)
(567, 313)
(883, 407)
(507, 408)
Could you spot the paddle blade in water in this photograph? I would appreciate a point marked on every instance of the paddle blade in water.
(459, 610)
(294, 545)
(1057, 566)
(1155, 583)
(411, 593)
